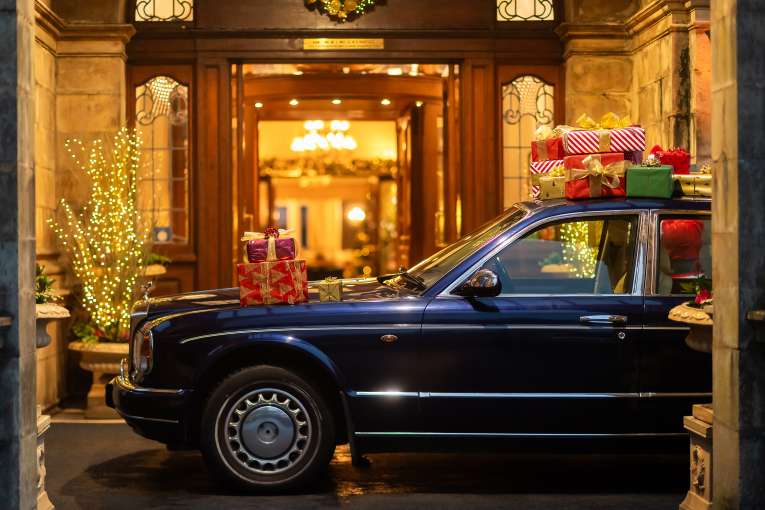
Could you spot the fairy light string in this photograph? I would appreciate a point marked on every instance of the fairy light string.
(106, 239)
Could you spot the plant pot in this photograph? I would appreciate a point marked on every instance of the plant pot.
(700, 321)
(47, 313)
(103, 360)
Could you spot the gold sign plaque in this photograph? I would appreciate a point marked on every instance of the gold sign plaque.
(343, 44)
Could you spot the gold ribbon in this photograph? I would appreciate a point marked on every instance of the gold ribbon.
(608, 121)
(271, 253)
(599, 175)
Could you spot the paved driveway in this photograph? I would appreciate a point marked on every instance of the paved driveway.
(106, 466)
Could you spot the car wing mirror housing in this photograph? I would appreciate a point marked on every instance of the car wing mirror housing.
(482, 283)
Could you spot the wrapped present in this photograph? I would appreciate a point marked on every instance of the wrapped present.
(595, 175)
(547, 145)
(611, 134)
(699, 185)
(269, 245)
(677, 158)
(650, 180)
(272, 282)
(539, 168)
(594, 141)
(551, 187)
(330, 289)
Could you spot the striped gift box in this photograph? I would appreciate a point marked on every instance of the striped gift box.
(593, 141)
(541, 167)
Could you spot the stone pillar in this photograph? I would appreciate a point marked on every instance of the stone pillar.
(738, 243)
(18, 420)
(90, 93)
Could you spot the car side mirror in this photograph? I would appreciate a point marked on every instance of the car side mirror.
(482, 283)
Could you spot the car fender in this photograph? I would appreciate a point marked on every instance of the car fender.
(240, 342)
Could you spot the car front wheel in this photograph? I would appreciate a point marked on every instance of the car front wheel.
(266, 428)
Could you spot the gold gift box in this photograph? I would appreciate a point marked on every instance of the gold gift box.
(330, 289)
(551, 187)
(699, 185)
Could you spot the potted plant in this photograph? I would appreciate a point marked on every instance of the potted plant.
(107, 246)
(46, 309)
(699, 315)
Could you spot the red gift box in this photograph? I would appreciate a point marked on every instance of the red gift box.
(595, 175)
(273, 282)
(540, 168)
(677, 158)
(542, 150)
(591, 141)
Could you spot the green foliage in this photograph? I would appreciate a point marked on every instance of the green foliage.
(156, 258)
(44, 287)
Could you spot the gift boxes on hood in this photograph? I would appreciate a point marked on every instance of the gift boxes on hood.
(273, 275)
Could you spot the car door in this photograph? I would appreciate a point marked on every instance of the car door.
(673, 376)
(555, 353)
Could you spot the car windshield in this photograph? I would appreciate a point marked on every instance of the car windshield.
(425, 274)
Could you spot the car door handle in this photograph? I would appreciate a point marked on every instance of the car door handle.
(620, 320)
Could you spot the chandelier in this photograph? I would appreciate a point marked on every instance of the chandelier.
(319, 137)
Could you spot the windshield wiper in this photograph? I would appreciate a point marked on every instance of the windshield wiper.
(414, 280)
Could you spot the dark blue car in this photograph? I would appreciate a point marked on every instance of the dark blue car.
(549, 322)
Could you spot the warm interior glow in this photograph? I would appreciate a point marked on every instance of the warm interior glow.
(356, 214)
(374, 139)
(294, 102)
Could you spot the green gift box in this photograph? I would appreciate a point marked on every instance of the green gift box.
(650, 181)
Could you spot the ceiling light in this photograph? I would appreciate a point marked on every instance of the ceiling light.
(414, 70)
(385, 102)
(258, 105)
(297, 73)
(346, 70)
(395, 71)
(418, 104)
(294, 102)
(337, 101)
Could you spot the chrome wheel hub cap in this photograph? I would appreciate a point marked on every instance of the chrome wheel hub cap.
(267, 430)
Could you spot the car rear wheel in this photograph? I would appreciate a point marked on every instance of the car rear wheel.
(266, 428)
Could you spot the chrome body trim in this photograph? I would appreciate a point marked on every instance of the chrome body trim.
(527, 395)
(548, 435)
(393, 394)
(361, 327)
(485, 327)
(124, 383)
(460, 280)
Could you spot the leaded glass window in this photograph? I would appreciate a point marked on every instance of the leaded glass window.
(162, 120)
(164, 10)
(525, 10)
(527, 102)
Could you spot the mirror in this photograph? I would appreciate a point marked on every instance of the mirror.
(483, 283)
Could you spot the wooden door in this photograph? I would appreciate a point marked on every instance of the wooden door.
(403, 186)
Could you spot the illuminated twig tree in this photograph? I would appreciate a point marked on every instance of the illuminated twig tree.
(106, 241)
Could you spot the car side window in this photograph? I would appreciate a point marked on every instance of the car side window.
(578, 256)
(684, 254)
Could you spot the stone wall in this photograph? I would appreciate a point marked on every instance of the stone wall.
(18, 423)
(648, 59)
(79, 71)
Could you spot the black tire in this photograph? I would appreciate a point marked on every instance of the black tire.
(242, 447)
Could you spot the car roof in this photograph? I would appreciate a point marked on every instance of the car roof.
(543, 208)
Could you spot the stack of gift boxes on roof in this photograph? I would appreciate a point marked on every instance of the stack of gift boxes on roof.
(273, 275)
(605, 159)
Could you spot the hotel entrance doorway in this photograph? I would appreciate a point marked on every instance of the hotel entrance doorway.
(356, 160)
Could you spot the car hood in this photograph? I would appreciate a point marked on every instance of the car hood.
(367, 289)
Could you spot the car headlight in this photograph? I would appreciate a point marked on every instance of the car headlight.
(143, 352)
